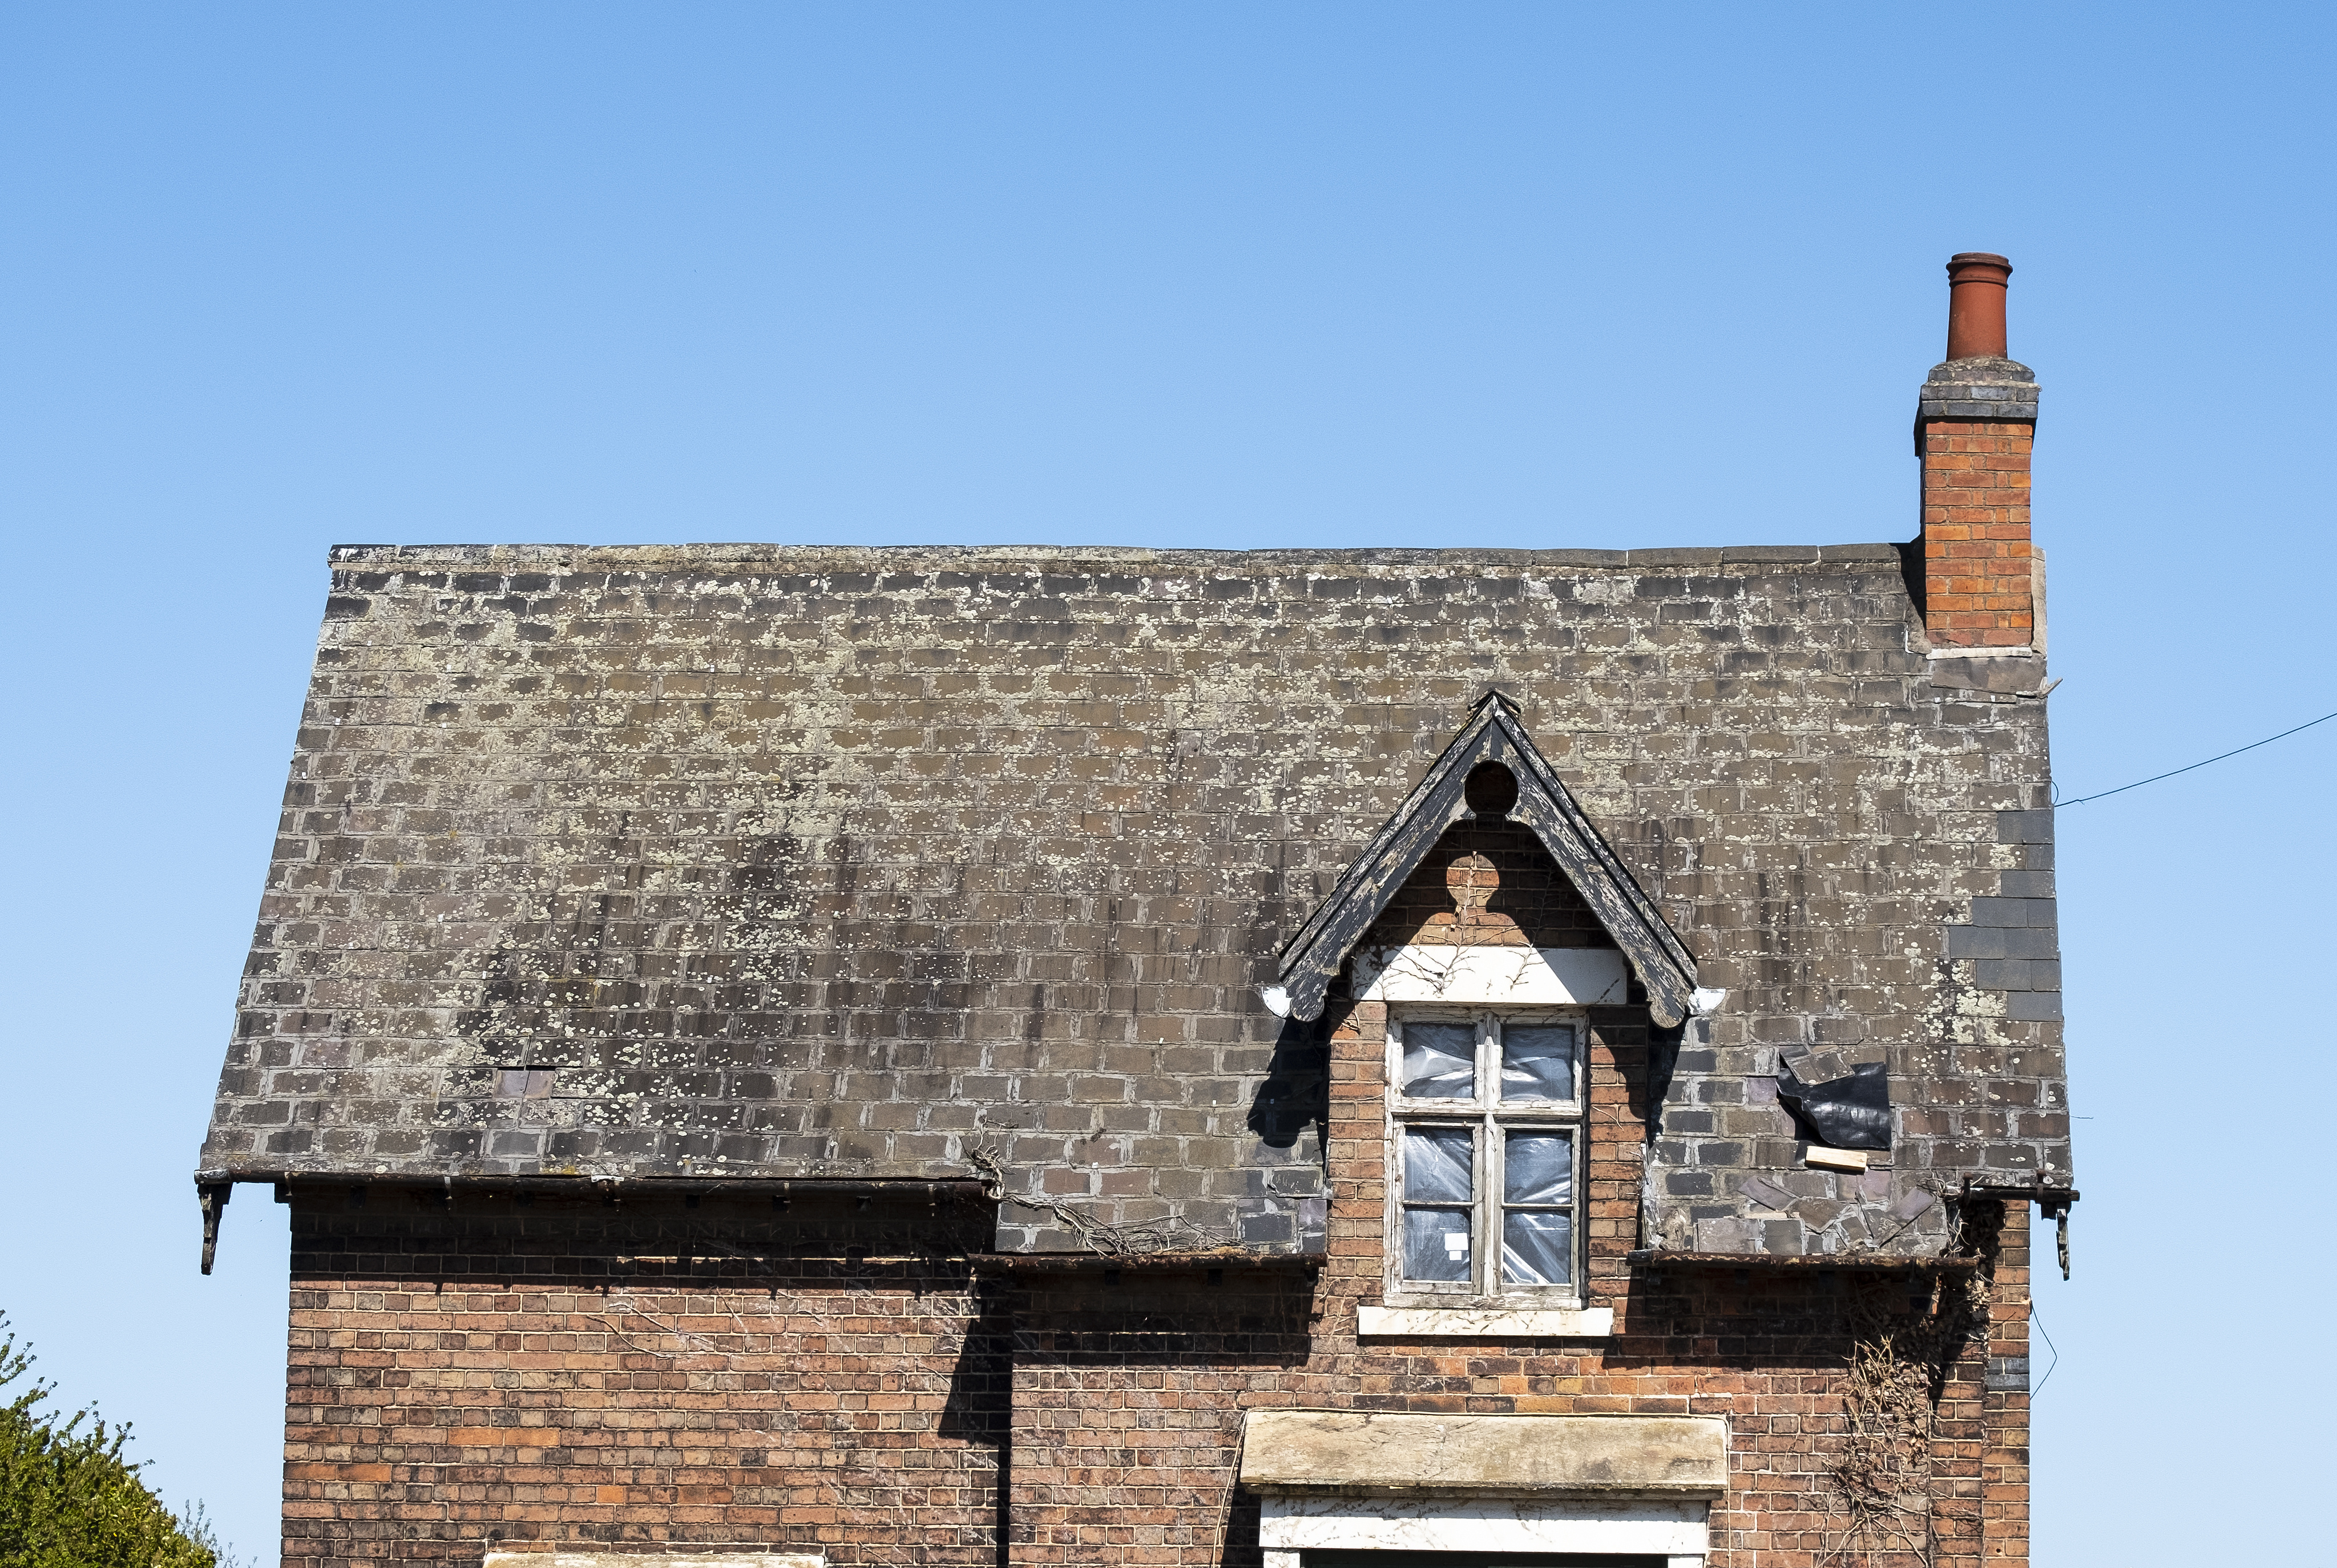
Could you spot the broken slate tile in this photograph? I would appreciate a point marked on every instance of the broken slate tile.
(1912, 1204)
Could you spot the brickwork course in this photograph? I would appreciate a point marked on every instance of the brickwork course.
(771, 1048)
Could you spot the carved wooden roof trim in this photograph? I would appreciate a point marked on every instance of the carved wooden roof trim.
(1311, 958)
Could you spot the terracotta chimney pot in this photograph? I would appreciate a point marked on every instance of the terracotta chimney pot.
(1976, 288)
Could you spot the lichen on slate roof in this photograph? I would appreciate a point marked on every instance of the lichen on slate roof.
(779, 862)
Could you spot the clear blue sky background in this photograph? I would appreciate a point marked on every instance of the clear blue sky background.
(277, 277)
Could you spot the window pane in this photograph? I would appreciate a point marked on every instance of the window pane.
(1439, 1061)
(1436, 1165)
(1436, 1244)
(1537, 1061)
(1537, 1249)
(1538, 1168)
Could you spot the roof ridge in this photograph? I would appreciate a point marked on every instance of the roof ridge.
(699, 557)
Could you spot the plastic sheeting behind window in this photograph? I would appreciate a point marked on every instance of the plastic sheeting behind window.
(1536, 1248)
(1538, 1168)
(1437, 1165)
(1537, 1062)
(1439, 1061)
(1436, 1244)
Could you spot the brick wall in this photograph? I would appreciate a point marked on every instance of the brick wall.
(1977, 586)
(1488, 884)
(633, 1376)
(491, 1373)
(484, 1370)
(2004, 1398)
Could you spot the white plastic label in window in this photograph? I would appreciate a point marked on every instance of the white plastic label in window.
(1456, 1243)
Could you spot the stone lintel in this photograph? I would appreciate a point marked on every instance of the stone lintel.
(1364, 1452)
(1484, 1323)
(1479, 976)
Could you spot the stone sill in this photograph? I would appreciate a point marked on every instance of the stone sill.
(1484, 1323)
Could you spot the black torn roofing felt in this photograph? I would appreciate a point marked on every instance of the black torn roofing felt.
(1849, 1112)
(1311, 961)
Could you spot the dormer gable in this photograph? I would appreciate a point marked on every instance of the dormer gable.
(1490, 770)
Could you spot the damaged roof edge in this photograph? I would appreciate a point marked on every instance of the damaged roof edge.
(582, 1183)
(214, 1187)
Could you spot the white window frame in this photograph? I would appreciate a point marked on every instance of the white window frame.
(1489, 1116)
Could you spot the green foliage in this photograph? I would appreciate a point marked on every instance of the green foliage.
(68, 1499)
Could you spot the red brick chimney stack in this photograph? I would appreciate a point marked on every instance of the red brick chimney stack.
(1974, 424)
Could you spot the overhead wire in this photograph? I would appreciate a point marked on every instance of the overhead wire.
(2056, 1365)
(2103, 794)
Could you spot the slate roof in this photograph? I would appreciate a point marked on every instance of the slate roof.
(751, 860)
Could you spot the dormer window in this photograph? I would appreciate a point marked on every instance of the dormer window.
(1484, 1154)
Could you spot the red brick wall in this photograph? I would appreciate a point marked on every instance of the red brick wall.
(723, 1377)
(1129, 1394)
(1976, 566)
(2004, 1412)
(633, 1376)
(1488, 884)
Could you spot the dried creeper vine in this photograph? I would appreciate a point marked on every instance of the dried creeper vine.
(1129, 1241)
(1902, 1351)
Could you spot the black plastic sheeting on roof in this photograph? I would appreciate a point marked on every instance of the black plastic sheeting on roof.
(1850, 1112)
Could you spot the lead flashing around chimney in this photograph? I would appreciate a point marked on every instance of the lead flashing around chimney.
(2004, 390)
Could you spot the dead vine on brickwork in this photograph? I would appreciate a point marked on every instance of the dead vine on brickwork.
(692, 1344)
(1902, 1351)
(1134, 1240)
(629, 1322)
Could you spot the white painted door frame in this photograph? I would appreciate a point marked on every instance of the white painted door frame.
(1674, 1530)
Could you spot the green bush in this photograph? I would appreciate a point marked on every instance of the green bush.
(68, 1499)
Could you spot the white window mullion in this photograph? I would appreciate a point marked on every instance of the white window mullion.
(1489, 1056)
(1489, 1208)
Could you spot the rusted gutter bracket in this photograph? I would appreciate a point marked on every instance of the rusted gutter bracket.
(214, 1197)
(2053, 1203)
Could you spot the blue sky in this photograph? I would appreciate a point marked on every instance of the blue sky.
(276, 277)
